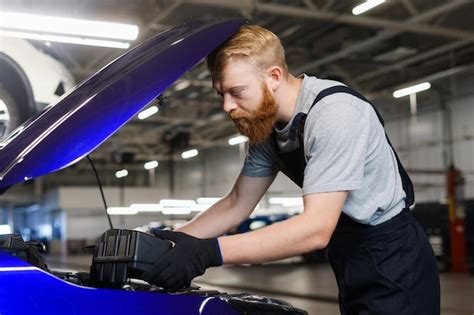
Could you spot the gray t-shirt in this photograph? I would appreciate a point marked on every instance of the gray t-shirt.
(346, 150)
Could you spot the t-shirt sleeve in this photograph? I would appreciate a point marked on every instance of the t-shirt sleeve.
(336, 136)
(259, 161)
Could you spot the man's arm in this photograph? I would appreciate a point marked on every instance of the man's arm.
(308, 231)
(230, 210)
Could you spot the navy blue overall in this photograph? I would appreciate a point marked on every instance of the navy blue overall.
(389, 268)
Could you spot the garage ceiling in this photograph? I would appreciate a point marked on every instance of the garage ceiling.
(395, 44)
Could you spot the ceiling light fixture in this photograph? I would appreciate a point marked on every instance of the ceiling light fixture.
(121, 173)
(237, 140)
(412, 89)
(121, 211)
(66, 39)
(366, 6)
(177, 203)
(151, 165)
(182, 211)
(286, 201)
(207, 200)
(152, 110)
(181, 85)
(146, 207)
(41, 24)
(189, 154)
(200, 207)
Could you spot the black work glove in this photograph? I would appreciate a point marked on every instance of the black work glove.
(187, 259)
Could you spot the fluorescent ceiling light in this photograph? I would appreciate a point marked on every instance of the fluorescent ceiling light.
(237, 140)
(177, 203)
(150, 165)
(185, 210)
(67, 26)
(366, 6)
(146, 207)
(5, 229)
(66, 39)
(412, 89)
(121, 173)
(280, 200)
(181, 85)
(121, 211)
(152, 110)
(286, 201)
(189, 154)
(200, 207)
(207, 200)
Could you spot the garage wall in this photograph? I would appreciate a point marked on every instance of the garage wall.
(421, 145)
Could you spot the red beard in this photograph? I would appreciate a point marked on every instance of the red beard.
(257, 125)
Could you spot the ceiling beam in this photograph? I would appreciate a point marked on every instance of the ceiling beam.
(387, 92)
(382, 36)
(328, 5)
(364, 21)
(417, 58)
(299, 12)
(310, 4)
(410, 7)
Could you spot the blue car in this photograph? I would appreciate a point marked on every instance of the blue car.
(69, 130)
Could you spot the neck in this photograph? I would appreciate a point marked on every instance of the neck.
(286, 97)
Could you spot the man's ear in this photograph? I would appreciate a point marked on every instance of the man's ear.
(275, 76)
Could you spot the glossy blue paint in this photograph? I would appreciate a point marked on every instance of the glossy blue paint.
(28, 290)
(64, 133)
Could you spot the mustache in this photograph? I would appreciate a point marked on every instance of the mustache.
(239, 115)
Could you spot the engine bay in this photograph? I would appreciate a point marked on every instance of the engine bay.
(121, 256)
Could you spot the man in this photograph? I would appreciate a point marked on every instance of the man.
(330, 141)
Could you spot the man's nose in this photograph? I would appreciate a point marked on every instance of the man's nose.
(229, 104)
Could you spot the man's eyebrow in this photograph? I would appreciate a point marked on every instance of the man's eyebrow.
(231, 89)
(237, 87)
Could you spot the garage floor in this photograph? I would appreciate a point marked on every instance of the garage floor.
(310, 287)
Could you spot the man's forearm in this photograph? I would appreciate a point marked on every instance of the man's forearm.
(281, 240)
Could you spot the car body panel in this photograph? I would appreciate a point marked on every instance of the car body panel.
(26, 289)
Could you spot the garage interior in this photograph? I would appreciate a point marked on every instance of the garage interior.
(182, 152)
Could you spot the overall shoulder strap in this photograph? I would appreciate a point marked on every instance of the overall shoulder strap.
(298, 124)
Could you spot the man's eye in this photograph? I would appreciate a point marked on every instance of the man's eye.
(220, 95)
(236, 93)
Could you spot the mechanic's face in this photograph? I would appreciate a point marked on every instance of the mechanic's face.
(247, 99)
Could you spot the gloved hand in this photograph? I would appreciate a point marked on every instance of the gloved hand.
(187, 259)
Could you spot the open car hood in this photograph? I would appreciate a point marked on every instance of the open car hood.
(65, 132)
